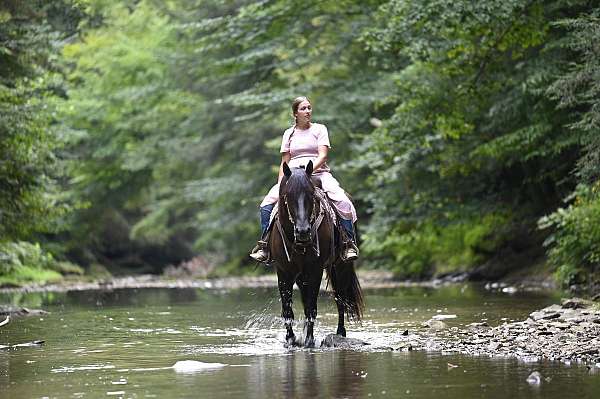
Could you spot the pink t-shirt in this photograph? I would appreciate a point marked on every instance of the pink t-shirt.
(303, 145)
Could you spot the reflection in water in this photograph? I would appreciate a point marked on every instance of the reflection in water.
(307, 374)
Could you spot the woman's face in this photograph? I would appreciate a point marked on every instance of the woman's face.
(304, 113)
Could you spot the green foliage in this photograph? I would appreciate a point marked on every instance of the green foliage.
(170, 106)
(128, 125)
(472, 130)
(575, 241)
(29, 200)
(420, 251)
(23, 262)
(574, 247)
(453, 124)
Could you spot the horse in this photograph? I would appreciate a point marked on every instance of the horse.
(303, 243)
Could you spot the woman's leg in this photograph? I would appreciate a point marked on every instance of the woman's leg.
(347, 211)
(259, 252)
(350, 249)
(265, 217)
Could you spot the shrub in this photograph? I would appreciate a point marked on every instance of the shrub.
(22, 262)
(574, 244)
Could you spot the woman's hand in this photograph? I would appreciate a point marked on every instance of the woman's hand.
(322, 158)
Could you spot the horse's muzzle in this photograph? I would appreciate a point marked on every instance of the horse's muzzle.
(302, 237)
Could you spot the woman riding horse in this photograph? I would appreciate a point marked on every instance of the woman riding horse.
(303, 241)
(308, 141)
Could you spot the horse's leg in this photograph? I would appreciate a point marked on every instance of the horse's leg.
(285, 292)
(310, 307)
(341, 330)
(339, 301)
(302, 283)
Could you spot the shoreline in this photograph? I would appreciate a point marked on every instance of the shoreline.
(369, 279)
(568, 333)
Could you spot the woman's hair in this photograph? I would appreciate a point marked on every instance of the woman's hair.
(296, 104)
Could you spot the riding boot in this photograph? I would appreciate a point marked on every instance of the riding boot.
(350, 249)
(259, 252)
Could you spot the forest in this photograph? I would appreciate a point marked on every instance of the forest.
(139, 134)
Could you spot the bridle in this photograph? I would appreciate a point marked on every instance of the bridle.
(311, 221)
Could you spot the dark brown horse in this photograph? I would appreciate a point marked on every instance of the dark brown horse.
(304, 243)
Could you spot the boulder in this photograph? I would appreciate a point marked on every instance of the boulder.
(575, 303)
(337, 341)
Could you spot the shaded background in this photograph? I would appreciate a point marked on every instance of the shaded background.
(140, 134)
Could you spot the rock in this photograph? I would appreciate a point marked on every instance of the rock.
(20, 311)
(337, 341)
(476, 325)
(29, 344)
(193, 366)
(476, 341)
(574, 320)
(444, 316)
(435, 324)
(404, 348)
(509, 290)
(575, 303)
(559, 325)
(494, 346)
(405, 332)
(534, 378)
(542, 315)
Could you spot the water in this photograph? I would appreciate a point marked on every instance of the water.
(124, 343)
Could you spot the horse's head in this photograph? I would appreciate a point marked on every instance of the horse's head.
(296, 195)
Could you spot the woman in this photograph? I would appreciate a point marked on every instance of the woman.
(301, 143)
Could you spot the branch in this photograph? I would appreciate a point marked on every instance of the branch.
(488, 56)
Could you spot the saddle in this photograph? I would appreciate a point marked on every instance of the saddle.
(326, 208)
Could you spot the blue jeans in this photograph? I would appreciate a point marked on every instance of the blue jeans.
(265, 215)
(349, 227)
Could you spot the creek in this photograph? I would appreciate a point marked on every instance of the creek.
(125, 342)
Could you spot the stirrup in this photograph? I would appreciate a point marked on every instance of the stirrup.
(259, 252)
(349, 252)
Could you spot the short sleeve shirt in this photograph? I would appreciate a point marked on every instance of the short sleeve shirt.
(303, 145)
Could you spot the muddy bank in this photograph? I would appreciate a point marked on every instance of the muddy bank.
(569, 332)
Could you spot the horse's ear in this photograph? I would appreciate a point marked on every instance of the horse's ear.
(309, 168)
(286, 169)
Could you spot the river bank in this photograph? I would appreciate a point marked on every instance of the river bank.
(569, 332)
(369, 279)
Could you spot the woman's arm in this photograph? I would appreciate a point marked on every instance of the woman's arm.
(285, 157)
(322, 158)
